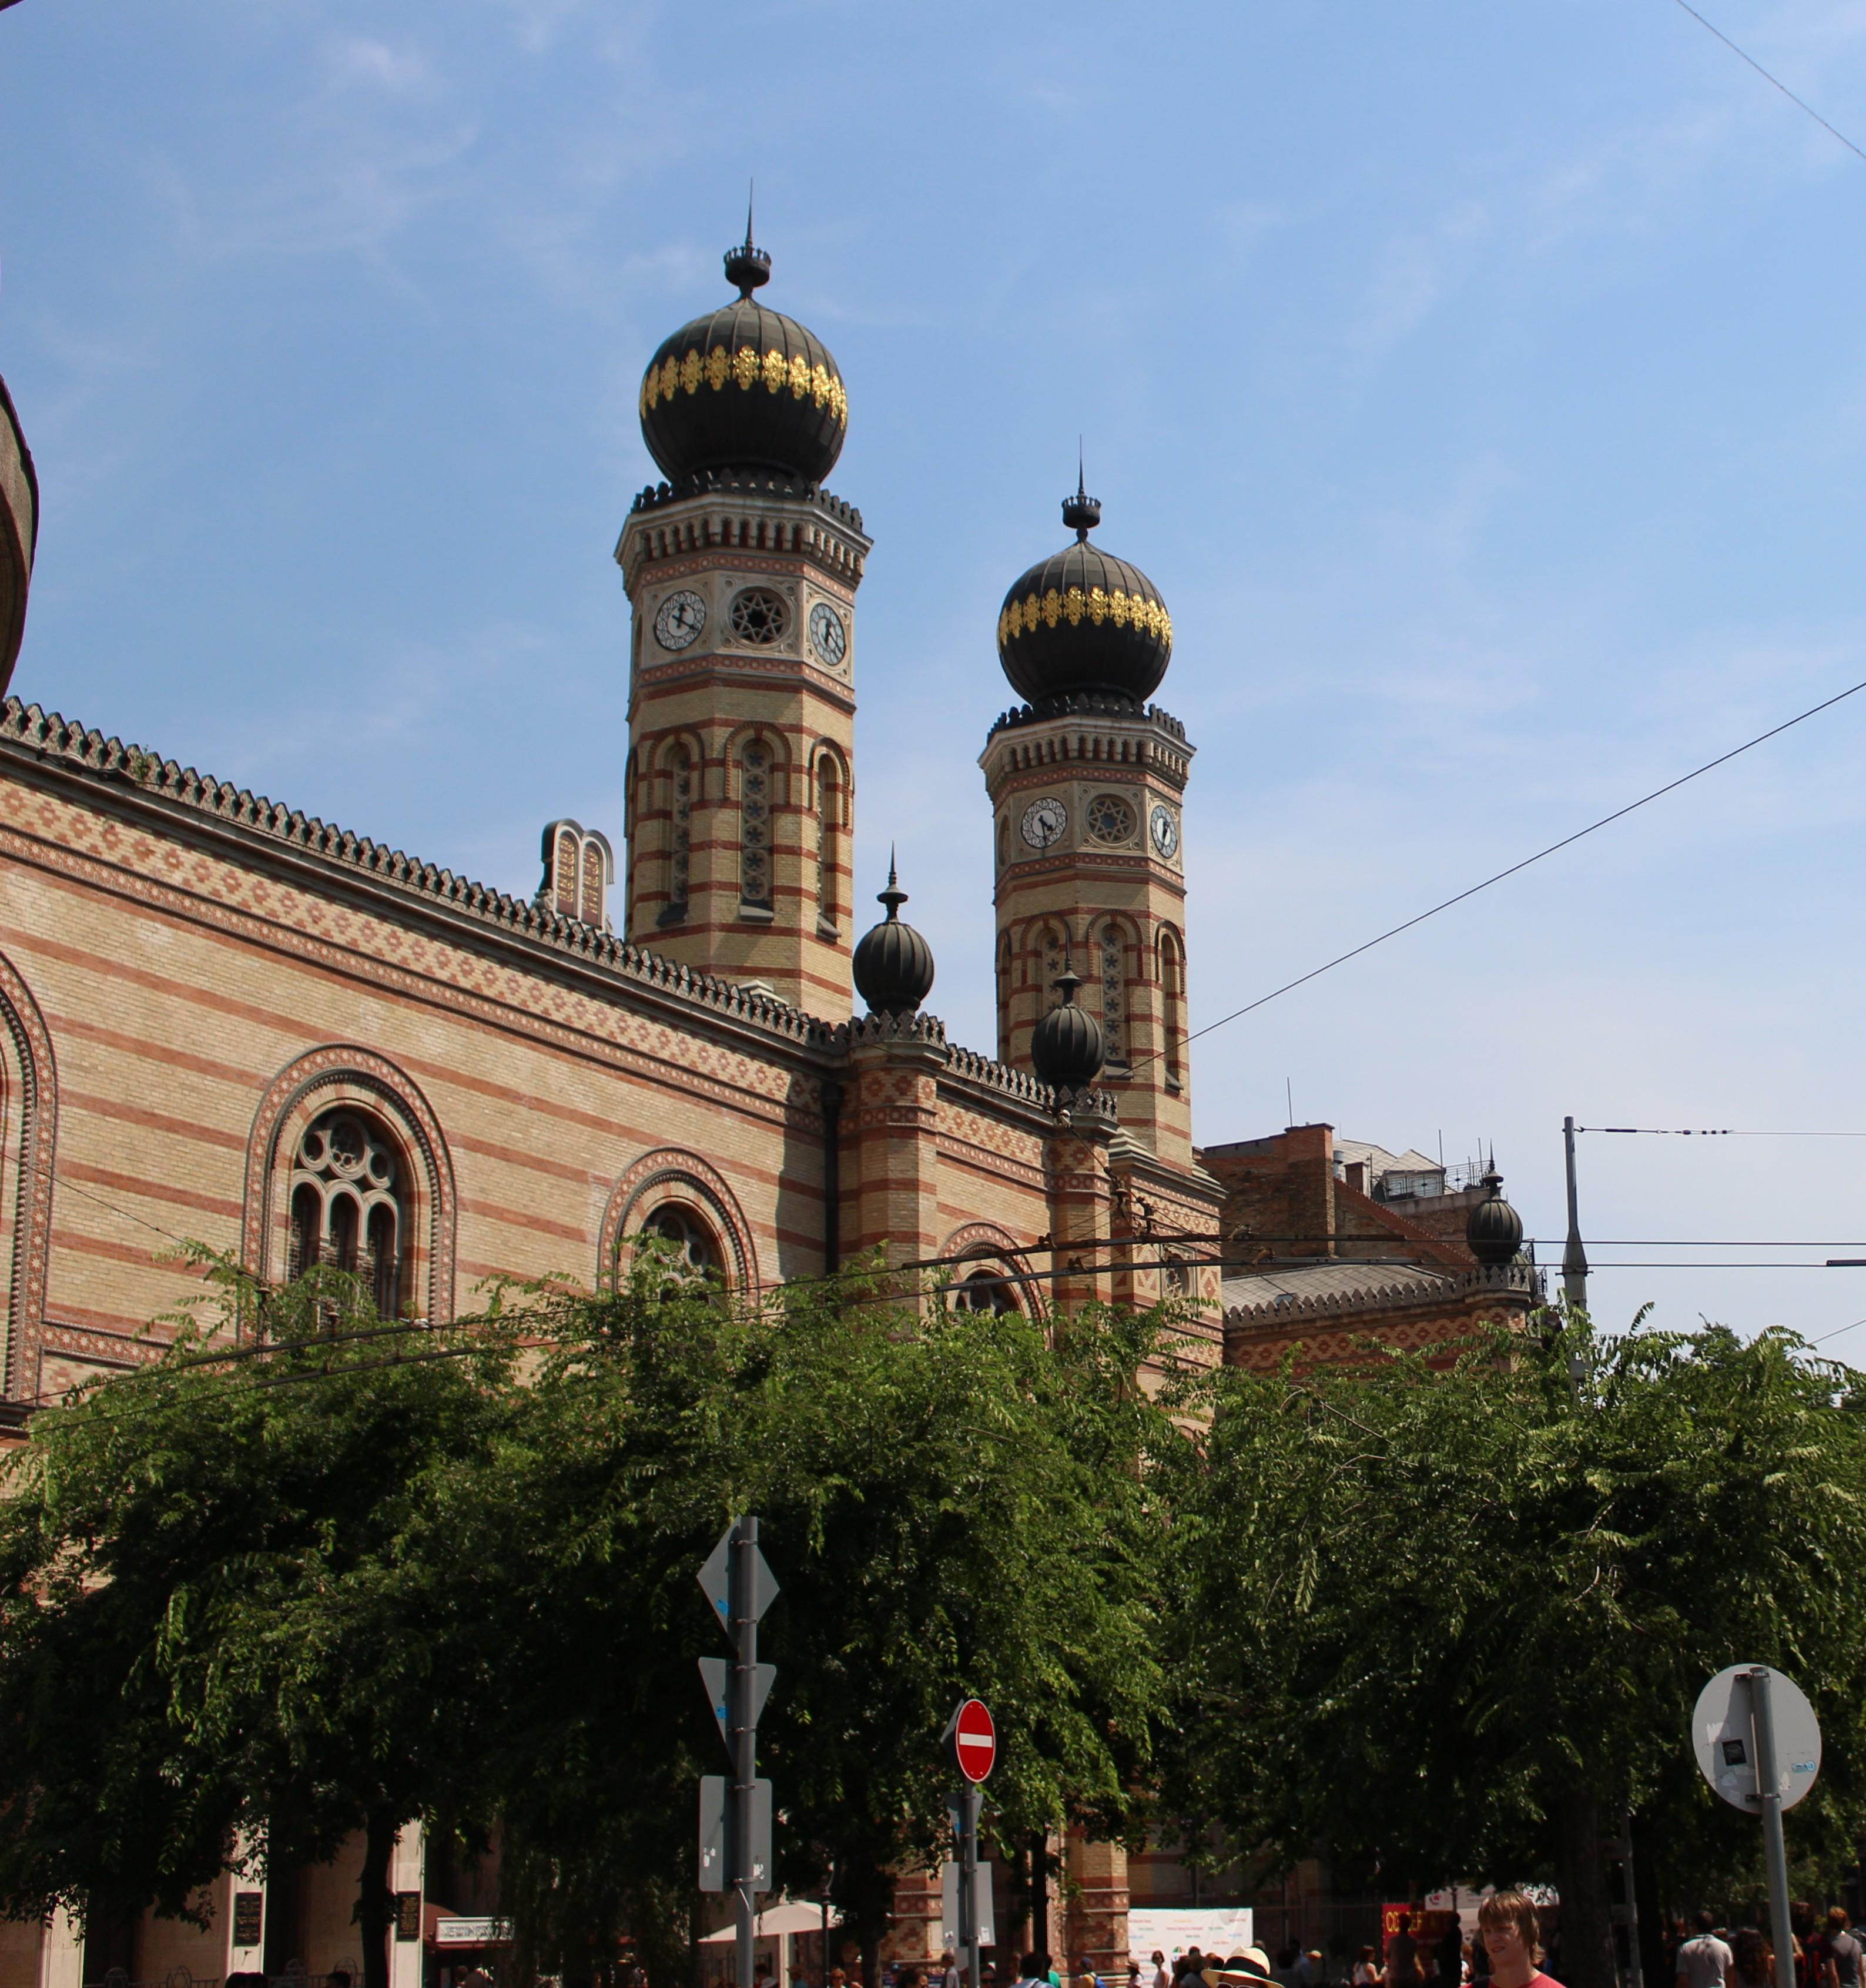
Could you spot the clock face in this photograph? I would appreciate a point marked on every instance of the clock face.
(1165, 832)
(828, 637)
(1044, 822)
(679, 620)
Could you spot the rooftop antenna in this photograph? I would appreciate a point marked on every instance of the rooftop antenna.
(1289, 1096)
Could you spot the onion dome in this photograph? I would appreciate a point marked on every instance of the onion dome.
(1493, 1230)
(1067, 1045)
(744, 387)
(1083, 623)
(894, 965)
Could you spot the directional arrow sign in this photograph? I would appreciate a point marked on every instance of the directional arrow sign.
(715, 1581)
(715, 1673)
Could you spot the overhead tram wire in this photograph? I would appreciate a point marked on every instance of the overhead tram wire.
(1801, 103)
(1514, 869)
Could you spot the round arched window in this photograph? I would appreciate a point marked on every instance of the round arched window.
(347, 1204)
(674, 1223)
(990, 1288)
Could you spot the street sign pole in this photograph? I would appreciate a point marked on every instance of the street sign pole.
(1775, 1853)
(744, 1717)
(969, 1878)
(971, 1741)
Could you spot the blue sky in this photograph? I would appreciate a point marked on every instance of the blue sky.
(1484, 387)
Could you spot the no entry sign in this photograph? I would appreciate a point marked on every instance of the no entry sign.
(975, 1740)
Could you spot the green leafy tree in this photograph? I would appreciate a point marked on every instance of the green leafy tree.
(951, 1503)
(223, 1632)
(1456, 1621)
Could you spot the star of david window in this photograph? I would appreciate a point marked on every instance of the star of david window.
(759, 617)
(1110, 819)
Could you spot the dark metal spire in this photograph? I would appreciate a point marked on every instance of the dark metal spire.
(748, 267)
(1081, 513)
(893, 896)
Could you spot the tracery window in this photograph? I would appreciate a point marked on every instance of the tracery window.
(755, 824)
(829, 821)
(1053, 963)
(680, 832)
(759, 617)
(1172, 1005)
(699, 1258)
(348, 1204)
(988, 1288)
(1111, 819)
(1112, 965)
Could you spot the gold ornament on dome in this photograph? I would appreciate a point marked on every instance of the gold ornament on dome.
(746, 368)
(1123, 609)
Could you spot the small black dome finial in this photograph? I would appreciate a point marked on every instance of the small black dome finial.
(1081, 513)
(1493, 1230)
(1067, 1046)
(893, 896)
(748, 267)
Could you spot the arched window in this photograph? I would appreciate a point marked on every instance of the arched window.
(829, 849)
(1111, 968)
(1052, 964)
(700, 1259)
(990, 1288)
(1172, 1006)
(347, 1204)
(680, 834)
(1004, 997)
(754, 825)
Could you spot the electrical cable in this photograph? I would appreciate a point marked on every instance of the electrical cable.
(1606, 820)
(1799, 103)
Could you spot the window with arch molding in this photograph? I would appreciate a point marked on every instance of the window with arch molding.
(1111, 967)
(1172, 1006)
(349, 1204)
(754, 781)
(700, 1258)
(679, 834)
(990, 1288)
(1052, 964)
(828, 824)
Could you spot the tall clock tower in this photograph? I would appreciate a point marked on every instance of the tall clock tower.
(742, 573)
(1087, 783)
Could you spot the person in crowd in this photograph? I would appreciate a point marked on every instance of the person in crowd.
(1451, 1954)
(1704, 1961)
(1365, 1972)
(1402, 1969)
(1161, 1978)
(1190, 1962)
(1842, 1953)
(1507, 1925)
(1036, 1969)
(1752, 1959)
(949, 1974)
(1285, 1973)
(1085, 1975)
(1133, 1974)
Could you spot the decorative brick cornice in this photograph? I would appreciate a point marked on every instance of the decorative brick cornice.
(1519, 1281)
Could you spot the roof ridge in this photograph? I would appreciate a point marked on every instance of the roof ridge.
(53, 737)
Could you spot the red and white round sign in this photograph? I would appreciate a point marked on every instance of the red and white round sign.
(975, 1740)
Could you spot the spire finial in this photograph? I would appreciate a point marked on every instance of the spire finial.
(893, 896)
(748, 266)
(1081, 513)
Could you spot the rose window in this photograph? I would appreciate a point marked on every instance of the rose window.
(1110, 819)
(759, 617)
(346, 1204)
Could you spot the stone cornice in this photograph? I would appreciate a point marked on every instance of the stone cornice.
(744, 512)
(1521, 1282)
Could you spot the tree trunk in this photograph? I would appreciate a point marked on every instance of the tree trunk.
(1587, 1923)
(1652, 1917)
(375, 1900)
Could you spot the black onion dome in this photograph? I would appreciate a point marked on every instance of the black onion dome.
(894, 965)
(1493, 1229)
(1083, 623)
(1065, 1046)
(744, 387)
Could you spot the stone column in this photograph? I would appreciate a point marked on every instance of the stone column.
(1097, 1916)
(1075, 1170)
(888, 1127)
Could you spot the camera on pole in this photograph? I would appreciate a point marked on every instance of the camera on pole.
(970, 1741)
(735, 1810)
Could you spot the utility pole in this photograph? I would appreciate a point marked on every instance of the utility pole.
(1574, 1258)
(735, 1819)
(1775, 1855)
